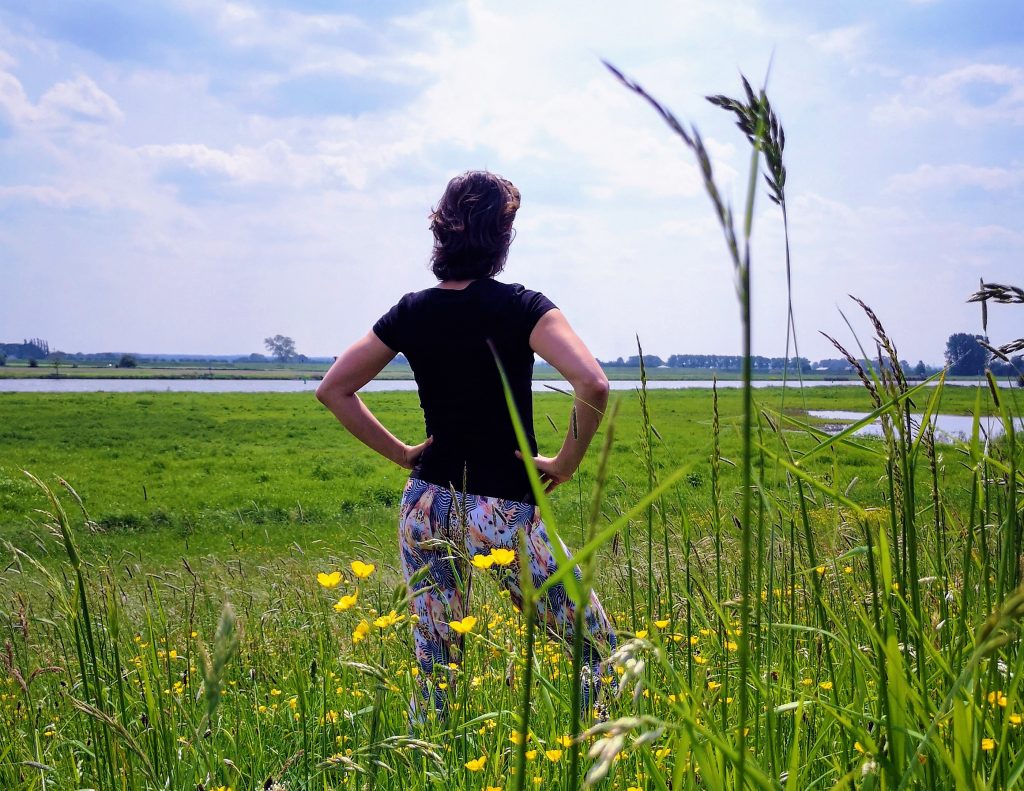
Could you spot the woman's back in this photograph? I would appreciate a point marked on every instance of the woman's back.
(443, 332)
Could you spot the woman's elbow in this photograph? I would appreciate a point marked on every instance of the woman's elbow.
(328, 393)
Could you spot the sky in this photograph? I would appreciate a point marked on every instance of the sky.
(194, 176)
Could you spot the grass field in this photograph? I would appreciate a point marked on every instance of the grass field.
(188, 472)
(201, 499)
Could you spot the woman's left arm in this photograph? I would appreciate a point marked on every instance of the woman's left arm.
(362, 361)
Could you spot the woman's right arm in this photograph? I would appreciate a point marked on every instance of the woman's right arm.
(556, 342)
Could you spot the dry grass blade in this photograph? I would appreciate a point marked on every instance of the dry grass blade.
(858, 368)
(886, 343)
(692, 139)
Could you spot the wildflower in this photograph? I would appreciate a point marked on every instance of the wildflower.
(807, 682)
(502, 557)
(662, 623)
(275, 692)
(847, 569)
(566, 741)
(820, 570)
(531, 754)
(346, 602)
(859, 747)
(553, 755)
(476, 764)
(662, 753)
(988, 744)
(997, 699)
(483, 561)
(1014, 719)
(329, 580)
(362, 570)
(641, 634)
(516, 738)
(826, 685)
(361, 631)
(331, 716)
(493, 788)
(463, 626)
(387, 620)
(713, 685)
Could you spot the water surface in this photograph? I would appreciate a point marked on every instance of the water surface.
(948, 427)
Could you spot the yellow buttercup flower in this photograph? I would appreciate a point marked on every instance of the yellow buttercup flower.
(483, 561)
(662, 624)
(361, 631)
(502, 557)
(329, 580)
(387, 620)
(988, 744)
(463, 626)
(565, 741)
(641, 634)
(826, 685)
(362, 570)
(553, 755)
(531, 754)
(476, 764)
(346, 602)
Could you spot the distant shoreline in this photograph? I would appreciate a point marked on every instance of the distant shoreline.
(401, 372)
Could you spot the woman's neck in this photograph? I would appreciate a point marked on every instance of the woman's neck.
(455, 285)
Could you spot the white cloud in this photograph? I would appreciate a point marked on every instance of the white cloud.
(847, 42)
(78, 99)
(75, 102)
(952, 177)
(272, 163)
(952, 97)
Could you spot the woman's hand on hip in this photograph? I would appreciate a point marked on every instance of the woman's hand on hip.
(552, 471)
(412, 454)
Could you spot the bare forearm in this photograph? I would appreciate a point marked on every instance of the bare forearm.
(364, 426)
(589, 405)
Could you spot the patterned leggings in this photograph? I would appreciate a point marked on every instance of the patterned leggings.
(430, 533)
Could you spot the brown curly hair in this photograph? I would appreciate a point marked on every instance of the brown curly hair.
(472, 226)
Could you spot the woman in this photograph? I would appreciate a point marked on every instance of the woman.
(468, 484)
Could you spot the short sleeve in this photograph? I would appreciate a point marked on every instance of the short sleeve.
(391, 327)
(533, 305)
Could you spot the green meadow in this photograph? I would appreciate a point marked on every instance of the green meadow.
(196, 621)
(177, 474)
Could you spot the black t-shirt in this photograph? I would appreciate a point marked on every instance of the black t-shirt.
(443, 332)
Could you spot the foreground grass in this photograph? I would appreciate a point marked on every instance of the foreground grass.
(113, 677)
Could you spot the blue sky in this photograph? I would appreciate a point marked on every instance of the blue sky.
(195, 176)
